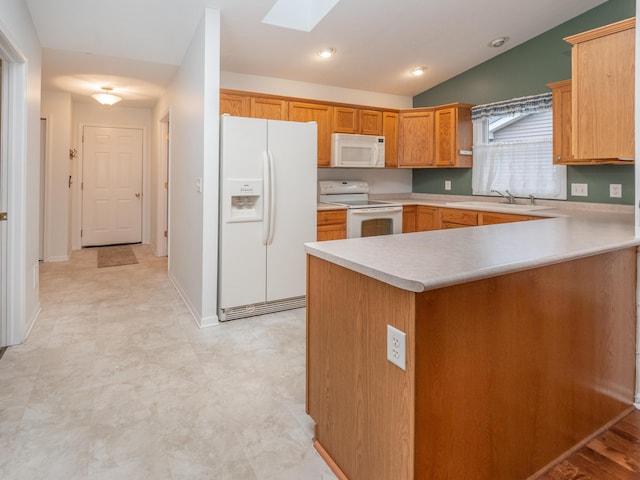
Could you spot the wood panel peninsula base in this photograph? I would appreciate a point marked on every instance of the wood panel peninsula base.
(504, 375)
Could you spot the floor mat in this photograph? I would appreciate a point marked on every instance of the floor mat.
(115, 256)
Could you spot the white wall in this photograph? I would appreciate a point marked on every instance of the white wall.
(290, 88)
(93, 114)
(193, 105)
(24, 174)
(56, 108)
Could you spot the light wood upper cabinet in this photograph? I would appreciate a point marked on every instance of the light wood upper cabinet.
(313, 112)
(345, 120)
(370, 122)
(390, 132)
(416, 138)
(236, 105)
(561, 101)
(561, 92)
(355, 120)
(453, 137)
(269, 108)
(603, 77)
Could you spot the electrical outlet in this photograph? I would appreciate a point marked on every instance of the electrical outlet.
(447, 184)
(579, 190)
(615, 190)
(397, 347)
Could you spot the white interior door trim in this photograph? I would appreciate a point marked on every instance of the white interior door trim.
(13, 231)
(76, 195)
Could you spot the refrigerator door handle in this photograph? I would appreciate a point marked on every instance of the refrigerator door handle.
(266, 180)
(272, 199)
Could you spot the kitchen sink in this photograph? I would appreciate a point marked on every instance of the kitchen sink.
(499, 207)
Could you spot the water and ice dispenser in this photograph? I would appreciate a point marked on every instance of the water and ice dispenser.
(244, 200)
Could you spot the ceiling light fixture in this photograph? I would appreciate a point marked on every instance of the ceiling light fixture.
(326, 52)
(106, 98)
(418, 71)
(498, 42)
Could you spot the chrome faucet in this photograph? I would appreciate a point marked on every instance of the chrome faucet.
(508, 196)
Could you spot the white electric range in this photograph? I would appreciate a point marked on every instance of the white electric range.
(365, 218)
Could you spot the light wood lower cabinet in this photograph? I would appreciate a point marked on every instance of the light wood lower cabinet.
(457, 218)
(420, 218)
(492, 218)
(427, 218)
(332, 225)
(408, 219)
(503, 375)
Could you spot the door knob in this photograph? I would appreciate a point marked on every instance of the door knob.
(138, 194)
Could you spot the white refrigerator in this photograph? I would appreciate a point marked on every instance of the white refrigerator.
(268, 196)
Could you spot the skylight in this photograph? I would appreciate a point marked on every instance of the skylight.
(301, 15)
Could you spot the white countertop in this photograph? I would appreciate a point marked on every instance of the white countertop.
(427, 260)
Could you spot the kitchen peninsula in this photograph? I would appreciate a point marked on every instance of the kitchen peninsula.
(520, 344)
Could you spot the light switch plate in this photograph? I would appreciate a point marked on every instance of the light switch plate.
(397, 347)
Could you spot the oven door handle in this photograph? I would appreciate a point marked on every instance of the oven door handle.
(366, 211)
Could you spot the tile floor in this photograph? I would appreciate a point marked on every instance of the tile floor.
(117, 382)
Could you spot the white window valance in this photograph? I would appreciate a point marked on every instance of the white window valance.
(530, 104)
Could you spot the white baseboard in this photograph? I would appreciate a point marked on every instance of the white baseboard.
(32, 322)
(201, 322)
(61, 258)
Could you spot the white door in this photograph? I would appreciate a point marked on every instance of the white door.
(111, 186)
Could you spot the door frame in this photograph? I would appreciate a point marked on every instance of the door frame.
(162, 197)
(76, 240)
(13, 154)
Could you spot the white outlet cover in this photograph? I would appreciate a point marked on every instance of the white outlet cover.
(397, 347)
(615, 190)
(579, 189)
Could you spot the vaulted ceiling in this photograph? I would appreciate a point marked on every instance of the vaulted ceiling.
(137, 45)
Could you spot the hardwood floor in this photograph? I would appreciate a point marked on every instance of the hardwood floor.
(614, 455)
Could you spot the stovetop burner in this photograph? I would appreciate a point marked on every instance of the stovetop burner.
(352, 194)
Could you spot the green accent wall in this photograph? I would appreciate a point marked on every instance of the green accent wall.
(431, 180)
(525, 70)
(598, 178)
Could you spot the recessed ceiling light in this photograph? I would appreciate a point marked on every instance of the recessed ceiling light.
(418, 71)
(326, 52)
(498, 42)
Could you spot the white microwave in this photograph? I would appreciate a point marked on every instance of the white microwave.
(357, 151)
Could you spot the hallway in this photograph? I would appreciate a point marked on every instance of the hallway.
(117, 382)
